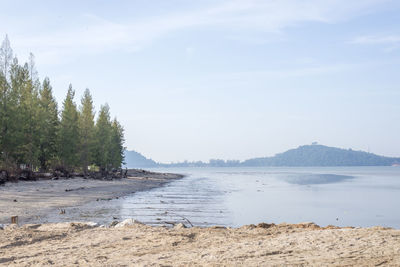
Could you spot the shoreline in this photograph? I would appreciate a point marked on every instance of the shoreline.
(42, 201)
(133, 243)
(66, 242)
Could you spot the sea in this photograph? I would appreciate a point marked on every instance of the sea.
(232, 197)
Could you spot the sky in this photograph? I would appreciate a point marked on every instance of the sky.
(227, 79)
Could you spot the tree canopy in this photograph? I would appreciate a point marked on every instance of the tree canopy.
(35, 134)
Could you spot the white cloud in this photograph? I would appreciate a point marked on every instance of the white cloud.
(98, 35)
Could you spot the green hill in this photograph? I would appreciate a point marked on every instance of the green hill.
(319, 155)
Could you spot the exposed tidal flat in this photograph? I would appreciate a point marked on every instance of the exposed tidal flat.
(340, 196)
(42, 201)
(238, 200)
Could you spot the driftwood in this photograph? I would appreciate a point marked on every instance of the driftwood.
(182, 217)
(14, 219)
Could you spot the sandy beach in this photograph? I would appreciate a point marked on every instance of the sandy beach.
(34, 202)
(130, 243)
(78, 244)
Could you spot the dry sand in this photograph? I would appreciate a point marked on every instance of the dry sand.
(34, 201)
(75, 244)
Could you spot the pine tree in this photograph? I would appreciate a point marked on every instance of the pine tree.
(86, 130)
(69, 132)
(3, 117)
(6, 55)
(14, 136)
(116, 145)
(48, 121)
(103, 138)
(30, 112)
(31, 132)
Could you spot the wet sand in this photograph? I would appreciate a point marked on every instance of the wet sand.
(76, 244)
(35, 202)
(85, 244)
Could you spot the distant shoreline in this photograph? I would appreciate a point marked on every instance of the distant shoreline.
(274, 166)
(314, 155)
(35, 202)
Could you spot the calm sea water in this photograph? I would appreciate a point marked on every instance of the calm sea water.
(343, 196)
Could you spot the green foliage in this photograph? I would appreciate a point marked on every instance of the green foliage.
(13, 133)
(29, 118)
(109, 136)
(86, 130)
(116, 145)
(32, 134)
(48, 126)
(6, 105)
(3, 116)
(103, 133)
(69, 132)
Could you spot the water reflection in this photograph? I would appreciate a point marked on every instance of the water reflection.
(192, 201)
(309, 179)
(343, 196)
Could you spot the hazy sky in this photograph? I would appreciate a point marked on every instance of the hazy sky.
(224, 79)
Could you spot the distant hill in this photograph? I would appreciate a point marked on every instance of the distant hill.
(307, 156)
(319, 155)
(134, 159)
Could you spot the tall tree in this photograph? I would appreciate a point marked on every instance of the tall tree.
(6, 55)
(103, 138)
(13, 133)
(69, 132)
(30, 111)
(116, 145)
(48, 121)
(3, 116)
(31, 132)
(86, 130)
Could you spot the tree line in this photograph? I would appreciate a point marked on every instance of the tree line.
(36, 135)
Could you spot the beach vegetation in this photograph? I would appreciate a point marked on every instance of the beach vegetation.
(36, 136)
